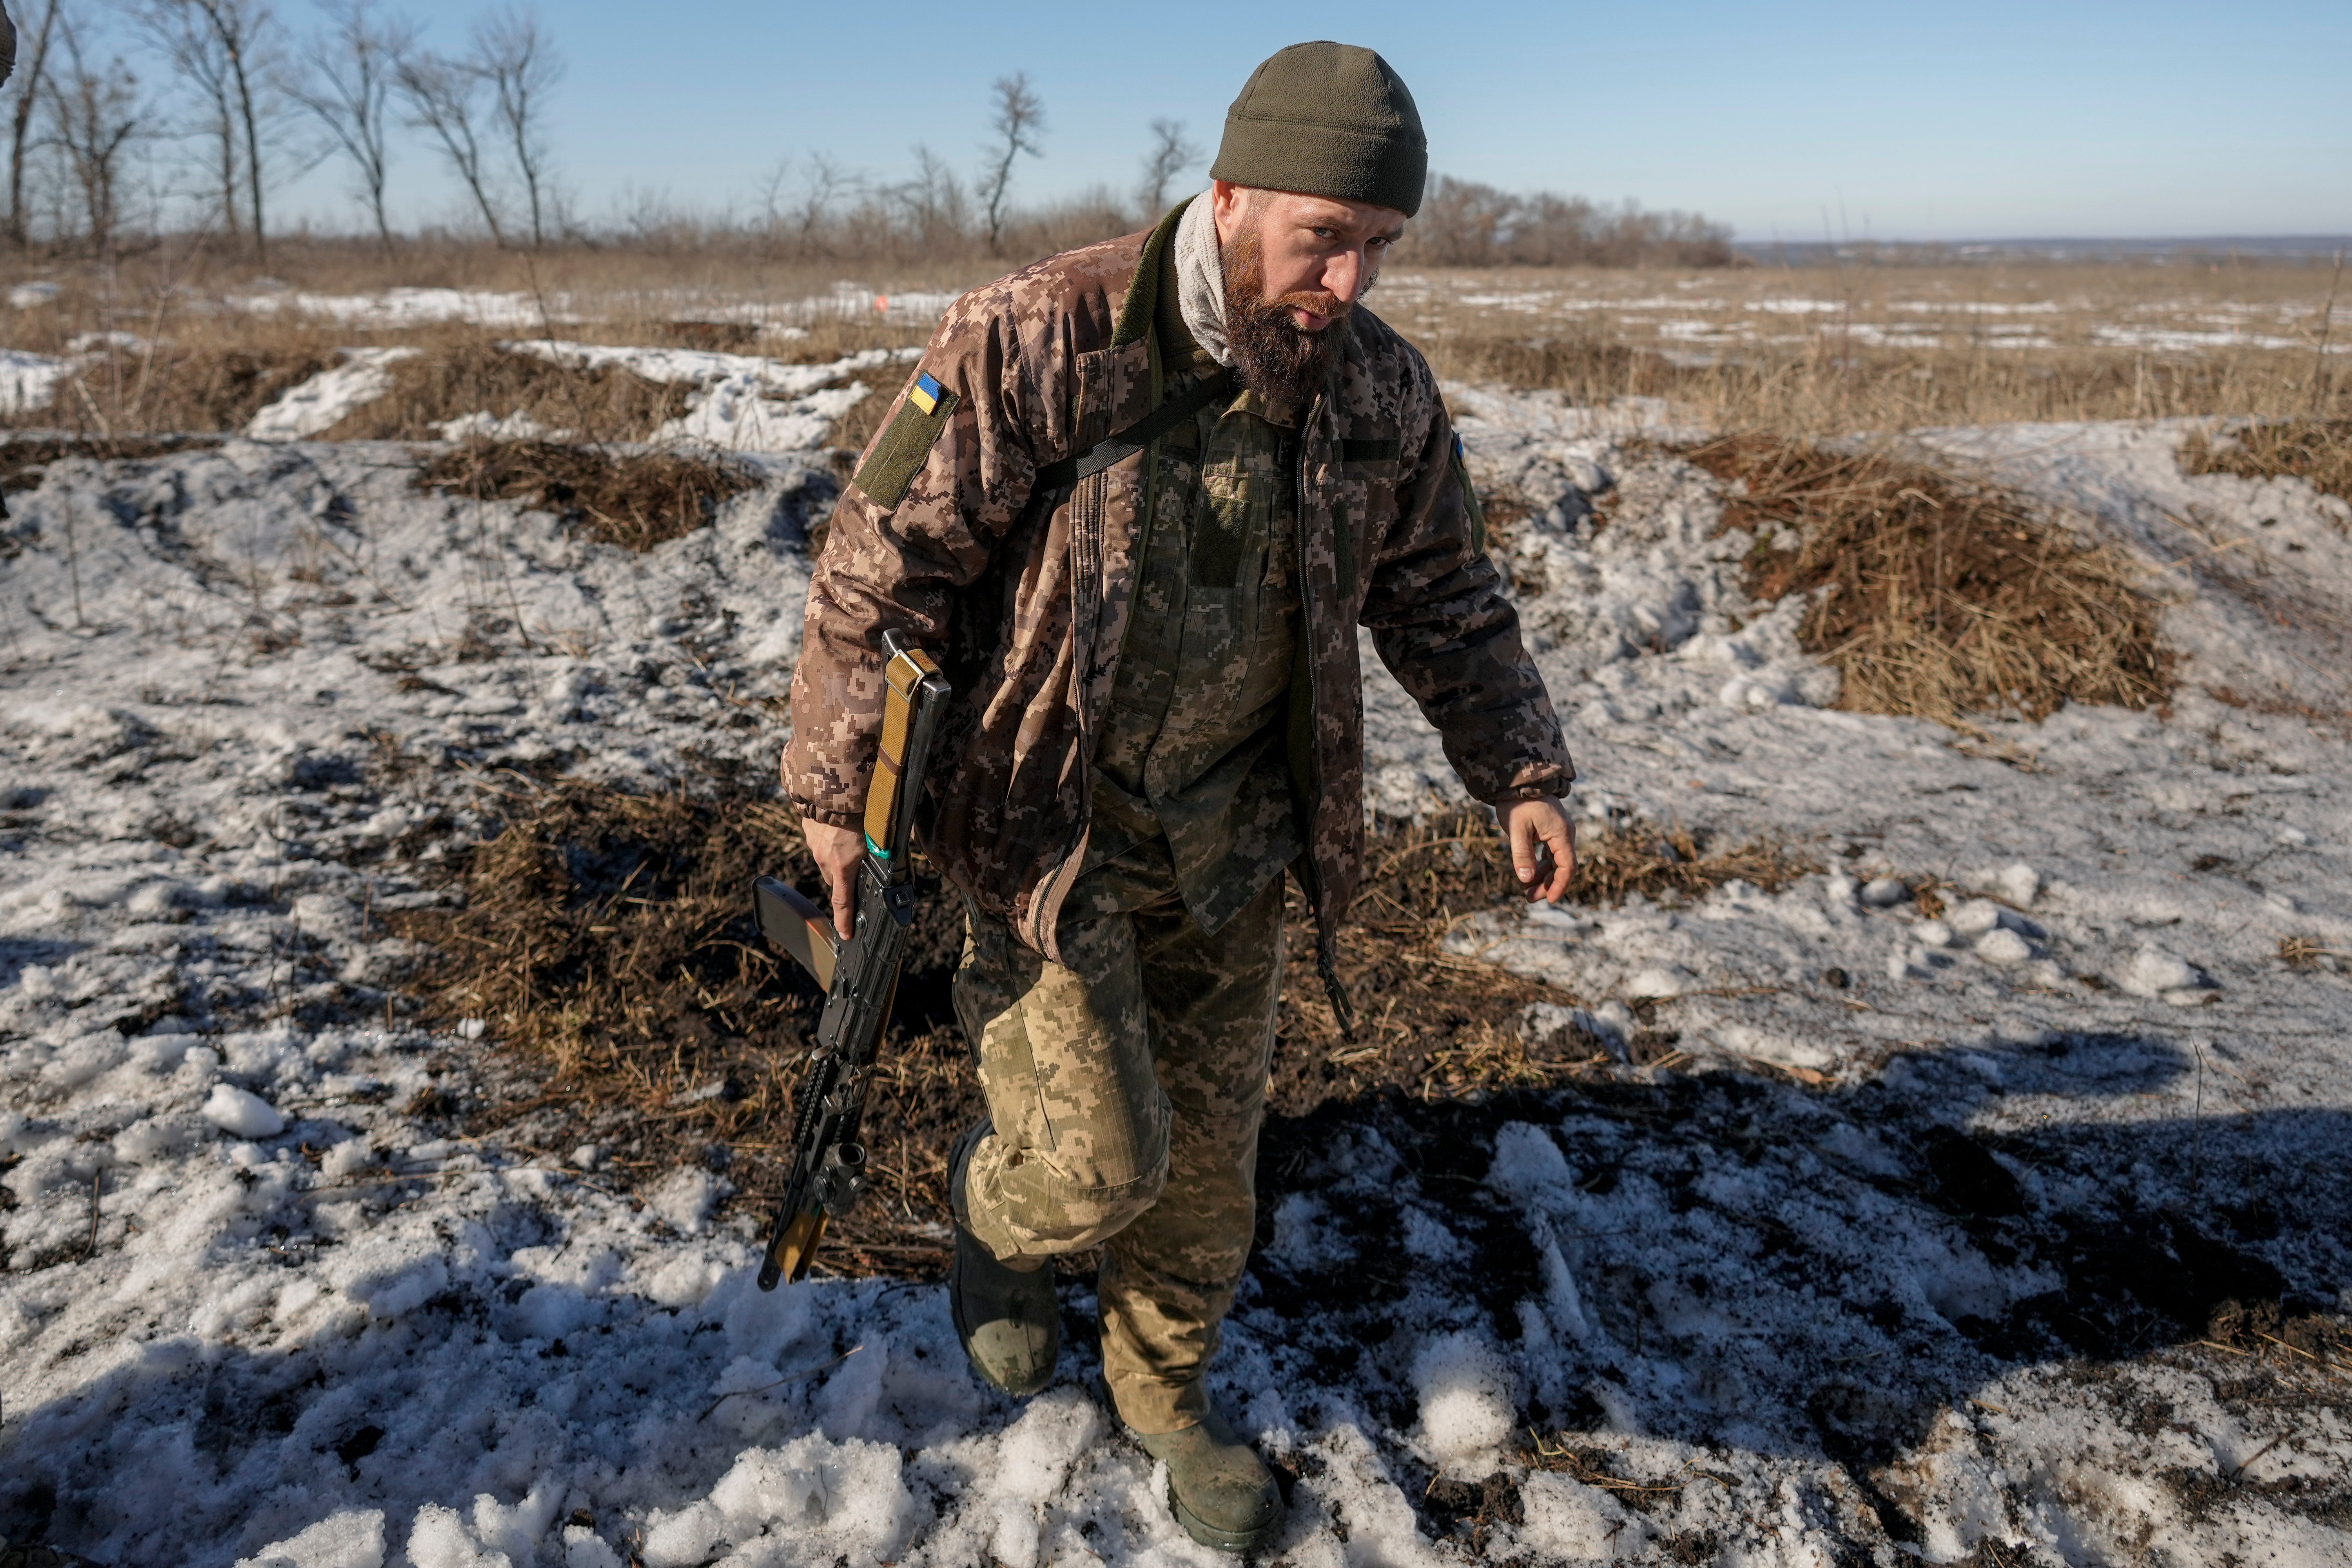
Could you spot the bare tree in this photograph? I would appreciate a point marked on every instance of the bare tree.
(1019, 121)
(516, 56)
(346, 85)
(443, 96)
(824, 182)
(29, 79)
(96, 115)
(232, 50)
(1170, 156)
(933, 205)
(178, 31)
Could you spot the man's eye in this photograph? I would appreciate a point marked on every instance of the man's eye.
(1379, 242)
(1325, 235)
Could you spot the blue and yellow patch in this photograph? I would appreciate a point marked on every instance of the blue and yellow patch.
(926, 394)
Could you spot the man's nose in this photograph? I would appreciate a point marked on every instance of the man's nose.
(1343, 276)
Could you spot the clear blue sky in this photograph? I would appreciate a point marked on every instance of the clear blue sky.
(1993, 119)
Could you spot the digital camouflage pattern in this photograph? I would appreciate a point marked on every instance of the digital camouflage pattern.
(1192, 743)
(1026, 598)
(1125, 1085)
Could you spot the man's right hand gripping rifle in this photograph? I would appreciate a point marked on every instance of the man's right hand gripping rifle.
(853, 952)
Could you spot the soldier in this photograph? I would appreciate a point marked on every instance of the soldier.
(1137, 499)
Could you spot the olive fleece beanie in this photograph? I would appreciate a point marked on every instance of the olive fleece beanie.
(1327, 120)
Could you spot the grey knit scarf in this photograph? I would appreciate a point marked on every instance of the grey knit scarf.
(1200, 276)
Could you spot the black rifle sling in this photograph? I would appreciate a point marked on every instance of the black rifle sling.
(1136, 437)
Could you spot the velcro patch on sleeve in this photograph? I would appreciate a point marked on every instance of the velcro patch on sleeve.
(1369, 450)
(913, 431)
(1470, 501)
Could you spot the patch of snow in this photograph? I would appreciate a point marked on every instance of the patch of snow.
(28, 381)
(353, 1539)
(741, 402)
(410, 306)
(482, 425)
(327, 398)
(241, 1113)
(1468, 1403)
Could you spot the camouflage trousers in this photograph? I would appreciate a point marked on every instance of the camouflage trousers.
(1124, 1088)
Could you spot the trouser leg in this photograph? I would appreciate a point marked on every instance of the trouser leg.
(1126, 1086)
(1078, 1140)
(1167, 1278)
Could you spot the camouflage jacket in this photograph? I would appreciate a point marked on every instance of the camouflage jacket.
(1024, 592)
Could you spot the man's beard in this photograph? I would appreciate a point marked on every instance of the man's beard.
(1278, 359)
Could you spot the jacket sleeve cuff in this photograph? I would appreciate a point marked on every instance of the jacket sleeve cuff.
(815, 813)
(1550, 784)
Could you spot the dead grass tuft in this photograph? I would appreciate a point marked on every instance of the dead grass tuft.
(465, 375)
(1934, 596)
(605, 939)
(635, 500)
(2304, 952)
(2318, 451)
(1673, 863)
(1439, 1024)
(120, 395)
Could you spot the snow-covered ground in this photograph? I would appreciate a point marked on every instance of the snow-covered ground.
(1908, 1256)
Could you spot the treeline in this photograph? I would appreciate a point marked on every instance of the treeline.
(814, 210)
(1465, 224)
(129, 120)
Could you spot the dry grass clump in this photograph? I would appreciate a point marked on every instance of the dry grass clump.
(1936, 597)
(1675, 863)
(635, 500)
(1823, 388)
(459, 376)
(2318, 451)
(607, 938)
(1439, 1024)
(173, 389)
(610, 933)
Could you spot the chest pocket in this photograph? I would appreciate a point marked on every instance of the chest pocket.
(1244, 486)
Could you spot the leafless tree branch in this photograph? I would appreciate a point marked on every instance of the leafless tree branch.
(1019, 121)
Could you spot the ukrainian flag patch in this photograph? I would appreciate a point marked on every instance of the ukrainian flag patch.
(899, 454)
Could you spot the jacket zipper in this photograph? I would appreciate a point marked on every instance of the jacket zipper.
(1045, 910)
(1327, 955)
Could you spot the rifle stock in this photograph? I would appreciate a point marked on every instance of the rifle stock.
(860, 975)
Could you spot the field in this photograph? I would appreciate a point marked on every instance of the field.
(1917, 1137)
(1806, 352)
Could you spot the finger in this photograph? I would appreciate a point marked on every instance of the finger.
(1524, 852)
(1560, 841)
(844, 903)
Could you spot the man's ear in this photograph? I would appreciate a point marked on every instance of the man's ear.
(1229, 202)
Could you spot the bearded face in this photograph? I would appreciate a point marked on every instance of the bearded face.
(1277, 359)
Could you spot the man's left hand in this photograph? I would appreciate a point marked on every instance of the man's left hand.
(1543, 846)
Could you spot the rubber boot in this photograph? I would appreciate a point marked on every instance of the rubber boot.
(1218, 1488)
(1007, 1318)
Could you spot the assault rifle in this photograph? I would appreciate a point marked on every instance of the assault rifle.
(859, 976)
